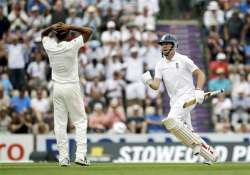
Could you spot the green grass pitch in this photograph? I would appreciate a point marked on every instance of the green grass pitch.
(125, 169)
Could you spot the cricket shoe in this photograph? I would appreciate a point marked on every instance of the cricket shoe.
(207, 162)
(82, 162)
(64, 162)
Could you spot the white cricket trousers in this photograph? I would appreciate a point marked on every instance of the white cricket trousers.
(68, 99)
(176, 109)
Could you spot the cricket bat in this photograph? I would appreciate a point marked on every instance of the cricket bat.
(207, 95)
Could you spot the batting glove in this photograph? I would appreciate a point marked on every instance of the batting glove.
(146, 77)
(199, 95)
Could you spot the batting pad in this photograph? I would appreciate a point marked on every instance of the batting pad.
(208, 152)
(189, 138)
(182, 132)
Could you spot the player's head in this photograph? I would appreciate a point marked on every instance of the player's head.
(61, 34)
(169, 44)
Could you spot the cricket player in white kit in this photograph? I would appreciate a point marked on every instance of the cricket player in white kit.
(177, 73)
(67, 95)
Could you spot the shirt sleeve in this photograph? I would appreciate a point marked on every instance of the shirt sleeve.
(190, 65)
(158, 73)
(46, 40)
(77, 42)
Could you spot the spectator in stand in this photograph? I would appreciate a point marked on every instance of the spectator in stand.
(245, 6)
(20, 123)
(247, 55)
(7, 86)
(248, 125)
(98, 121)
(221, 107)
(95, 50)
(235, 53)
(94, 69)
(144, 20)
(35, 20)
(149, 36)
(233, 27)
(135, 90)
(4, 99)
(73, 19)
(220, 63)
(110, 38)
(115, 87)
(242, 128)
(152, 5)
(129, 31)
(41, 4)
(47, 17)
(18, 18)
(58, 13)
(37, 71)
(40, 104)
(213, 17)
(40, 128)
(96, 90)
(80, 5)
(108, 12)
(220, 83)
(92, 19)
(214, 45)
(152, 54)
(4, 23)
(16, 62)
(21, 102)
(127, 46)
(3, 57)
(223, 126)
(136, 121)
(4, 120)
(114, 64)
(240, 86)
(116, 114)
(245, 38)
(153, 121)
(241, 104)
(105, 6)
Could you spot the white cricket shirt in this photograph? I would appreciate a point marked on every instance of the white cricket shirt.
(176, 75)
(63, 58)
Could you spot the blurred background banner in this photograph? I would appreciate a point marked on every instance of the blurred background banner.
(124, 148)
(164, 153)
(16, 148)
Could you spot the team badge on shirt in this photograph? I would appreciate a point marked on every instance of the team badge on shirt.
(177, 65)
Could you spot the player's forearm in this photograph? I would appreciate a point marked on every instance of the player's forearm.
(200, 79)
(153, 84)
(46, 31)
(85, 31)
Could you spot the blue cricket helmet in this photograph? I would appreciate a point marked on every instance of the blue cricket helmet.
(168, 38)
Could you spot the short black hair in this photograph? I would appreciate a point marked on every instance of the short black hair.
(61, 34)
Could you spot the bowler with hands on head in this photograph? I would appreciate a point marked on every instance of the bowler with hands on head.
(177, 72)
(67, 94)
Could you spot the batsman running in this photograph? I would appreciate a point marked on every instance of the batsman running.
(67, 94)
(177, 72)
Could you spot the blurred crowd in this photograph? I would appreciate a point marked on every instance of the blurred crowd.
(227, 30)
(123, 46)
